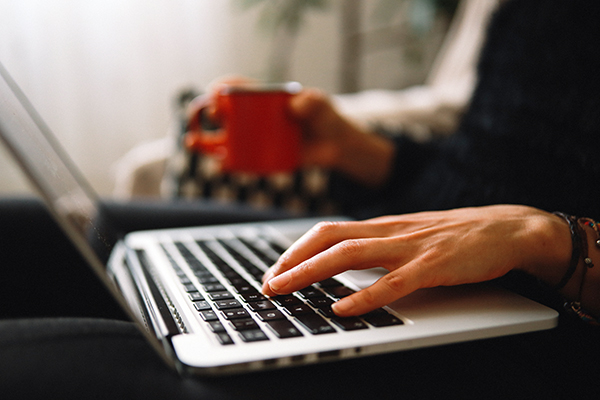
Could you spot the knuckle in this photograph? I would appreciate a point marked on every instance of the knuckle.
(352, 248)
(367, 298)
(394, 282)
(284, 261)
(325, 228)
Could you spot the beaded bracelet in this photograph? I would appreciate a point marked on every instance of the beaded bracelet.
(580, 246)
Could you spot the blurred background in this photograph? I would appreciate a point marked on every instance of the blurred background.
(105, 75)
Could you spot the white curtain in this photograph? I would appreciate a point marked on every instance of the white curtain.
(103, 73)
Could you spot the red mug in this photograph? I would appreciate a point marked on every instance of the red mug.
(256, 134)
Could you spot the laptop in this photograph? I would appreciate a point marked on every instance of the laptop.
(195, 292)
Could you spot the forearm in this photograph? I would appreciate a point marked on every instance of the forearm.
(366, 158)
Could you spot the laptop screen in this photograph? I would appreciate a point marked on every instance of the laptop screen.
(70, 198)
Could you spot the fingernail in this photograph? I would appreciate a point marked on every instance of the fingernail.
(343, 306)
(279, 282)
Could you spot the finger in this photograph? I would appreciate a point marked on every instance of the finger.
(318, 239)
(349, 254)
(308, 103)
(391, 287)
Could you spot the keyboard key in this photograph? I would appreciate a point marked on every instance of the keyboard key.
(380, 318)
(310, 293)
(249, 297)
(329, 282)
(216, 326)
(202, 305)
(287, 300)
(315, 324)
(207, 279)
(245, 288)
(213, 287)
(243, 324)
(190, 287)
(225, 304)
(299, 309)
(322, 304)
(349, 323)
(235, 313)
(283, 328)
(254, 335)
(261, 305)
(184, 280)
(195, 296)
(208, 315)
(216, 296)
(339, 291)
(224, 338)
(270, 315)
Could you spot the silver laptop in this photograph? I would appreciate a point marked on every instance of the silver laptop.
(195, 292)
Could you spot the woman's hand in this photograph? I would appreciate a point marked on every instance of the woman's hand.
(424, 250)
(329, 140)
(332, 141)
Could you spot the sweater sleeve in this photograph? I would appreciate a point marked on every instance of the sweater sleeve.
(531, 134)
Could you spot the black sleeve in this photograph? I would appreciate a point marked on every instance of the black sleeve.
(531, 134)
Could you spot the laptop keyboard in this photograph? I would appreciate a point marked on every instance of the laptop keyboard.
(231, 305)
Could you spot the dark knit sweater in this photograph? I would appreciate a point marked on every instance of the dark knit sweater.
(531, 134)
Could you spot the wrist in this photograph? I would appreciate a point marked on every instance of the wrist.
(366, 157)
(563, 245)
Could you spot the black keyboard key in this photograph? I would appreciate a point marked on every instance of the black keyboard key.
(299, 309)
(224, 338)
(339, 291)
(213, 287)
(321, 302)
(249, 297)
(323, 305)
(216, 296)
(244, 324)
(233, 277)
(245, 288)
(202, 305)
(225, 304)
(283, 328)
(261, 305)
(287, 300)
(195, 296)
(216, 326)
(329, 282)
(254, 335)
(235, 313)
(349, 323)
(184, 280)
(310, 293)
(190, 287)
(380, 318)
(315, 324)
(207, 279)
(270, 315)
(208, 315)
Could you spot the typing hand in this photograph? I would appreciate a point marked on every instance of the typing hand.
(422, 250)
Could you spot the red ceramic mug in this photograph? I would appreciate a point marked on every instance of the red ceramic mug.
(256, 133)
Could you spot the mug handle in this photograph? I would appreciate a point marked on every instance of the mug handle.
(196, 138)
